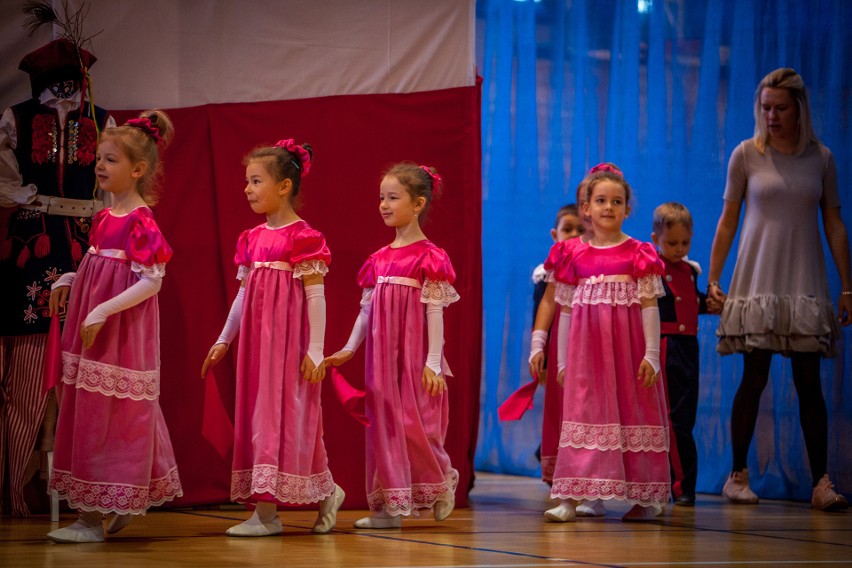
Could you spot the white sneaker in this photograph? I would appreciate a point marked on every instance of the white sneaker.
(737, 489)
(591, 508)
(327, 516)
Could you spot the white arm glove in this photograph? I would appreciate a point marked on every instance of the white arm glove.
(651, 329)
(435, 331)
(66, 279)
(562, 339)
(537, 343)
(146, 287)
(315, 297)
(232, 324)
(359, 330)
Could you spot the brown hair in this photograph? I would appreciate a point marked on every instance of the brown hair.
(565, 210)
(670, 214)
(600, 176)
(140, 145)
(785, 78)
(419, 181)
(282, 164)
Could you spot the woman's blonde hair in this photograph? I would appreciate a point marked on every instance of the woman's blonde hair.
(785, 78)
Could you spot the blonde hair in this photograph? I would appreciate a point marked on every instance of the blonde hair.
(141, 146)
(785, 78)
(670, 214)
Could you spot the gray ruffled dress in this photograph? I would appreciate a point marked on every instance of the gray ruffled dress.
(779, 298)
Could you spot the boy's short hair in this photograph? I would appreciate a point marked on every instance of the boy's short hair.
(570, 209)
(670, 214)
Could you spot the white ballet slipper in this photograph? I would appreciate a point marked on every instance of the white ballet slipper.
(118, 522)
(88, 528)
(642, 513)
(591, 508)
(255, 526)
(444, 508)
(379, 521)
(327, 516)
(562, 513)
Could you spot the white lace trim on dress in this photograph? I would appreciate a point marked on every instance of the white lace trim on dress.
(614, 437)
(283, 487)
(405, 501)
(113, 497)
(366, 296)
(644, 494)
(308, 267)
(110, 380)
(155, 270)
(439, 292)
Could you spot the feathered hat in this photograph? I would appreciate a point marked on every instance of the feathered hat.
(63, 58)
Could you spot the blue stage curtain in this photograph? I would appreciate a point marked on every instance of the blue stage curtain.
(665, 90)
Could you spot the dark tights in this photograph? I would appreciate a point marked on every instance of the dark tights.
(812, 413)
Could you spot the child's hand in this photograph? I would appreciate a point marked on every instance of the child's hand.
(338, 358)
(647, 374)
(537, 370)
(434, 384)
(89, 333)
(57, 300)
(560, 378)
(311, 372)
(213, 357)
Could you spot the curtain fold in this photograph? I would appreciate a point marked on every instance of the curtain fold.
(663, 88)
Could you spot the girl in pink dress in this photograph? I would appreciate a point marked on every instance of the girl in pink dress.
(407, 284)
(279, 454)
(113, 453)
(614, 439)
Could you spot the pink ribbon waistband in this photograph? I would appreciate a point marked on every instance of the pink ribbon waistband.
(401, 280)
(277, 265)
(605, 278)
(111, 253)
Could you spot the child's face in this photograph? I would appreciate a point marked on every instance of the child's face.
(396, 205)
(116, 173)
(264, 194)
(607, 206)
(569, 227)
(673, 242)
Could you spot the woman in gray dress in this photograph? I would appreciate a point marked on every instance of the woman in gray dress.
(779, 301)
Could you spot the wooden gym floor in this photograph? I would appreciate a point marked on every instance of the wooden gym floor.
(503, 527)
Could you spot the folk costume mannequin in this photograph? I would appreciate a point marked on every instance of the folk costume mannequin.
(47, 159)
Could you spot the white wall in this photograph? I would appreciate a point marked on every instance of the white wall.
(180, 53)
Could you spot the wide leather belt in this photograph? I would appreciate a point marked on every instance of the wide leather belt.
(64, 206)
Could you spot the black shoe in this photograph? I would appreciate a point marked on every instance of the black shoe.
(685, 500)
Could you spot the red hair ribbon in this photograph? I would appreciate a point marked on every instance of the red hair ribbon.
(604, 167)
(436, 179)
(290, 145)
(145, 125)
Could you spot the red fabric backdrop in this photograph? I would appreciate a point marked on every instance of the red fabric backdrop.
(203, 210)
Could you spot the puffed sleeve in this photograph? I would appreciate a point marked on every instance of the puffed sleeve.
(558, 264)
(242, 257)
(310, 254)
(147, 249)
(437, 276)
(367, 279)
(648, 269)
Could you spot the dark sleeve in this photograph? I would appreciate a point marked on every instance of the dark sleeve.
(666, 304)
(538, 294)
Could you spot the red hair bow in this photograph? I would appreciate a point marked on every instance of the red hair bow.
(436, 179)
(145, 125)
(304, 157)
(605, 167)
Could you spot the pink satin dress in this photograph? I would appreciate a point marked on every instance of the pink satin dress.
(614, 440)
(113, 453)
(279, 453)
(407, 466)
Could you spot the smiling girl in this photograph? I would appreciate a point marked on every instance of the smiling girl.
(407, 285)
(614, 437)
(279, 453)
